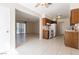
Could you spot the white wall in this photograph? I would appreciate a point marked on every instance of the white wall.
(37, 27)
(65, 24)
(40, 29)
(32, 27)
(74, 5)
(62, 25)
(12, 17)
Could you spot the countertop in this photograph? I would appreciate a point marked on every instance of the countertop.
(72, 31)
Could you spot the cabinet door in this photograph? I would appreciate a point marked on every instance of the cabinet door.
(78, 16)
(45, 21)
(74, 16)
(74, 39)
(67, 39)
(71, 39)
(78, 40)
(45, 34)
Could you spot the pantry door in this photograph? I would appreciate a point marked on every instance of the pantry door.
(4, 29)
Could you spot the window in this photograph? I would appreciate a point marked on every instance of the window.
(21, 28)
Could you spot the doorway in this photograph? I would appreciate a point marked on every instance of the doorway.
(27, 28)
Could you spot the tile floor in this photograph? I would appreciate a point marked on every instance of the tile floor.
(54, 46)
(23, 38)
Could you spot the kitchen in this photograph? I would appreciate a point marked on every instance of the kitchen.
(71, 32)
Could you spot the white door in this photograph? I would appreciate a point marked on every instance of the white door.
(4, 29)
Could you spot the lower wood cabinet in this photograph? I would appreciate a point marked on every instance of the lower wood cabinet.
(71, 39)
(45, 34)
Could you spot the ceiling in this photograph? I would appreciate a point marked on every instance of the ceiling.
(52, 11)
(20, 15)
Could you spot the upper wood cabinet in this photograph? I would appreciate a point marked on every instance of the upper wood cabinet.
(74, 16)
(45, 21)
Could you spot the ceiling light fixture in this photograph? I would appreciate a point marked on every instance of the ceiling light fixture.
(43, 4)
(58, 17)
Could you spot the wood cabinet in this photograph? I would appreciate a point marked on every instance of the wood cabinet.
(71, 39)
(46, 31)
(45, 21)
(45, 34)
(74, 16)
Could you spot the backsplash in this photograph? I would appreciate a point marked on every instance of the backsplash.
(77, 27)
